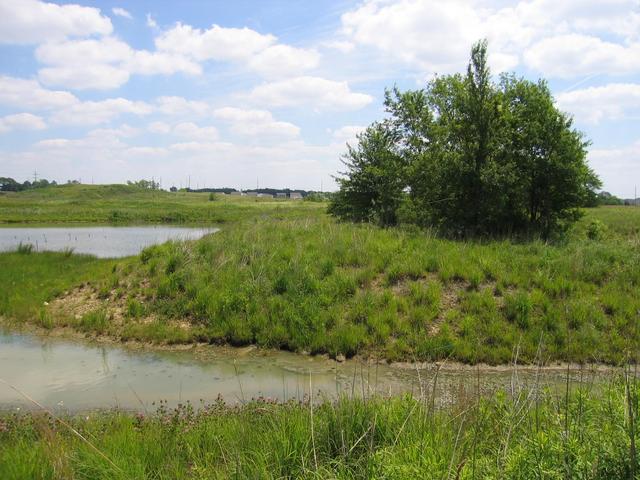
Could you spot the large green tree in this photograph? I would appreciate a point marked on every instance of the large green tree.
(471, 157)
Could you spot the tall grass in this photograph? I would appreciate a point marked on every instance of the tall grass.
(584, 434)
(319, 286)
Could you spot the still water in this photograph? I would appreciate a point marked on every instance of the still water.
(104, 242)
(77, 375)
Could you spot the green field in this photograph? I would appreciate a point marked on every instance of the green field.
(122, 204)
(285, 275)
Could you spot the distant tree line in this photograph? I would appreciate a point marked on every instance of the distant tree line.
(8, 184)
(469, 156)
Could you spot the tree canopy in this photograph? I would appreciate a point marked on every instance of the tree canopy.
(469, 156)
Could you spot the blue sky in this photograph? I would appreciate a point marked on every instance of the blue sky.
(234, 93)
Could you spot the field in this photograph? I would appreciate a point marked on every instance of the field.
(285, 275)
(124, 204)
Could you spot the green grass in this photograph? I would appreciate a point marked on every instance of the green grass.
(582, 434)
(129, 204)
(30, 279)
(285, 275)
(319, 286)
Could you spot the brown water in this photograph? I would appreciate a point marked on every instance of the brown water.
(72, 375)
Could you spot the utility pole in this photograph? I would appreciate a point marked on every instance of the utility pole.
(35, 176)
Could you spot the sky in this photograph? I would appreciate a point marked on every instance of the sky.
(268, 92)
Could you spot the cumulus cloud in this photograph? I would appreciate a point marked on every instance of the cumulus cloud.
(191, 130)
(347, 133)
(435, 37)
(32, 21)
(259, 52)
(21, 121)
(172, 105)
(29, 94)
(104, 63)
(573, 55)
(614, 101)
(159, 127)
(255, 123)
(284, 60)
(315, 92)
(96, 112)
(215, 43)
(121, 12)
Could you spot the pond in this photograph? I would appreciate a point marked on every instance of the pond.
(78, 375)
(103, 242)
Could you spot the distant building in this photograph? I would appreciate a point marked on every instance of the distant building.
(251, 194)
(265, 195)
(295, 196)
(237, 193)
(281, 195)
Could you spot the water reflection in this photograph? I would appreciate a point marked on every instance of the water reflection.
(105, 242)
(84, 376)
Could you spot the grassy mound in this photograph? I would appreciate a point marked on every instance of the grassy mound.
(311, 284)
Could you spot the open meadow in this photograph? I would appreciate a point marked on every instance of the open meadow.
(285, 275)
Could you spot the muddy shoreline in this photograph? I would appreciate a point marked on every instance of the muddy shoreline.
(207, 350)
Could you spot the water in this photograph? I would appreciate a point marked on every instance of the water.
(77, 376)
(104, 242)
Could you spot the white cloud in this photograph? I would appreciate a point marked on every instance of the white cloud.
(191, 130)
(32, 21)
(28, 94)
(435, 37)
(347, 134)
(614, 101)
(123, 131)
(315, 92)
(96, 112)
(574, 55)
(104, 63)
(171, 105)
(153, 152)
(21, 121)
(284, 60)
(151, 23)
(619, 168)
(159, 127)
(343, 46)
(121, 12)
(215, 43)
(255, 123)
(144, 62)
(97, 76)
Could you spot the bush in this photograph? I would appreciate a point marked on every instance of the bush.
(596, 230)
